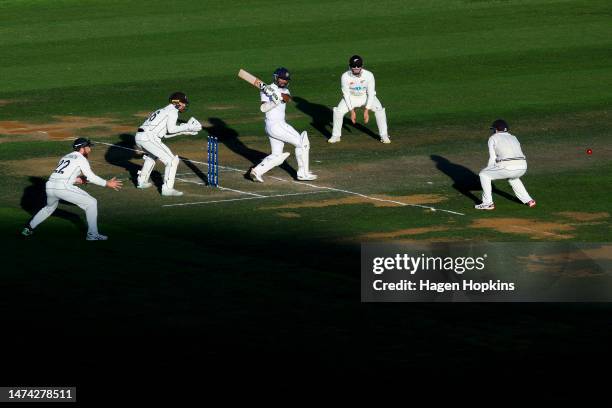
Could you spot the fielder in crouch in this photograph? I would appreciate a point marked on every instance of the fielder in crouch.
(274, 100)
(73, 169)
(506, 161)
(359, 89)
(159, 125)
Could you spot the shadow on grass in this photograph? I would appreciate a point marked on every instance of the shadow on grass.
(465, 180)
(121, 154)
(322, 118)
(34, 198)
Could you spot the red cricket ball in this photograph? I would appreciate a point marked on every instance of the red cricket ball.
(589, 151)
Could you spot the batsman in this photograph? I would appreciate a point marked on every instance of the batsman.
(274, 100)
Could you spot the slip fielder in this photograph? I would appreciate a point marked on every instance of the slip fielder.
(73, 169)
(359, 89)
(506, 161)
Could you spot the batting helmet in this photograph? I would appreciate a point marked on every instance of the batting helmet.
(355, 62)
(178, 97)
(81, 142)
(282, 73)
(500, 125)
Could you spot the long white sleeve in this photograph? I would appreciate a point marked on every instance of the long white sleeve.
(171, 125)
(267, 106)
(346, 94)
(492, 154)
(91, 177)
(371, 92)
(187, 133)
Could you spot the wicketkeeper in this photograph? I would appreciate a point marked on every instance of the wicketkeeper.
(161, 124)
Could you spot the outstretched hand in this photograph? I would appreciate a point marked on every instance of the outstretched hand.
(366, 116)
(114, 184)
(353, 117)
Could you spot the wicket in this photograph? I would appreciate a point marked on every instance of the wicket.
(213, 161)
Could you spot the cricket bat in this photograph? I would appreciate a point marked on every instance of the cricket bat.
(251, 79)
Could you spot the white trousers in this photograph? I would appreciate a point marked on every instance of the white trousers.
(71, 194)
(511, 172)
(154, 146)
(280, 133)
(357, 102)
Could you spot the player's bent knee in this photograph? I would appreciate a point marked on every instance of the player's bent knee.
(167, 161)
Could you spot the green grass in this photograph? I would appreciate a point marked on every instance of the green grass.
(240, 274)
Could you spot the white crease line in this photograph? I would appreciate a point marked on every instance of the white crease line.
(241, 192)
(539, 232)
(245, 198)
(118, 147)
(182, 158)
(219, 187)
(433, 209)
(366, 196)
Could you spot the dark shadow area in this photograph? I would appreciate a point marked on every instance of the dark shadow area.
(187, 162)
(121, 153)
(465, 180)
(34, 198)
(322, 118)
(365, 129)
(229, 137)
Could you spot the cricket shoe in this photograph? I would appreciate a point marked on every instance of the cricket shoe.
(27, 231)
(170, 192)
(484, 206)
(307, 177)
(333, 139)
(144, 185)
(385, 139)
(96, 237)
(531, 203)
(255, 177)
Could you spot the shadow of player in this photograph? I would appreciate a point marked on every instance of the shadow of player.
(34, 198)
(121, 154)
(320, 115)
(465, 180)
(230, 138)
(322, 118)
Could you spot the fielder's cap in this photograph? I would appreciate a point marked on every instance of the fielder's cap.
(178, 97)
(81, 142)
(500, 125)
(355, 61)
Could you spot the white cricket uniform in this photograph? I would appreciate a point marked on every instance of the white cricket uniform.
(160, 124)
(358, 91)
(506, 161)
(280, 132)
(60, 186)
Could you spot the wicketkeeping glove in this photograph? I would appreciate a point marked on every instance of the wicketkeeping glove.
(194, 125)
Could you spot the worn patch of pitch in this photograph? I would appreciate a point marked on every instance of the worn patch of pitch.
(401, 233)
(289, 214)
(352, 200)
(584, 216)
(62, 128)
(536, 229)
